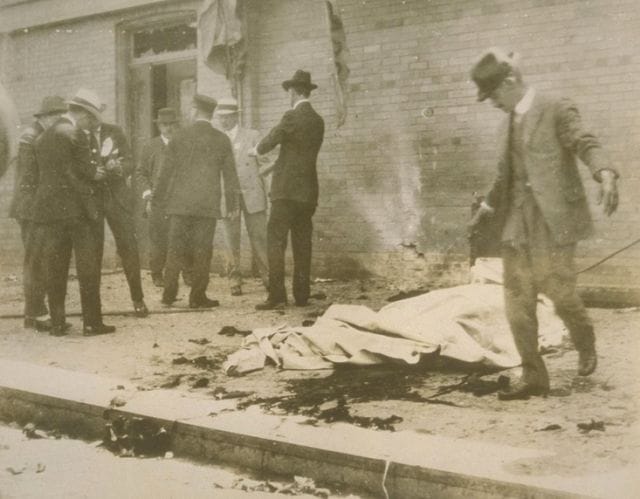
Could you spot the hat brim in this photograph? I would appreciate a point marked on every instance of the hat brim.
(226, 112)
(97, 114)
(50, 112)
(165, 121)
(287, 84)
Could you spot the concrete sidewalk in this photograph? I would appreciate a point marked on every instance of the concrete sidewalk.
(406, 463)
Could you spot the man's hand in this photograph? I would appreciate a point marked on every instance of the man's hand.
(608, 195)
(483, 210)
(114, 166)
(101, 173)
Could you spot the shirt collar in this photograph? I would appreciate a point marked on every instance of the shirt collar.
(300, 102)
(525, 103)
(70, 117)
(164, 140)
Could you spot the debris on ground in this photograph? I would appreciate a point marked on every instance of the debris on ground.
(300, 485)
(117, 402)
(16, 471)
(233, 331)
(202, 362)
(136, 437)
(318, 296)
(200, 383)
(173, 381)
(592, 425)
(408, 294)
(551, 427)
(199, 341)
(308, 322)
(31, 432)
(221, 393)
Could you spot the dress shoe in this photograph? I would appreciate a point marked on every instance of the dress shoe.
(522, 391)
(98, 330)
(302, 303)
(158, 281)
(140, 309)
(236, 291)
(42, 325)
(203, 303)
(271, 305)
(58, 331)
(587, 362)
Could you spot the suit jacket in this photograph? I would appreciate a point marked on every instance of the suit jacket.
(148, 170)
(252, 184)
(553, 138)
(190, 177)
(26, 178)
(66, 171)
(299, 134)
(116, 185)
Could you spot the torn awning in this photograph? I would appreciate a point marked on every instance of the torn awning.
(220, 35)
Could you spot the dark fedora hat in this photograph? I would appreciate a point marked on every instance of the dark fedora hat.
(204, 102)
(301, 79)
(490, 71)
(51, 104)
(166, 115)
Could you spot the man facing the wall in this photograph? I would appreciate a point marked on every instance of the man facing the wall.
(197, 160)
(294, 191)
(539, 207)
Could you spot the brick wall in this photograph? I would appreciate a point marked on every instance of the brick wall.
(390, 177)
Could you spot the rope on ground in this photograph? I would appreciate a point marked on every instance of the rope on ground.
(387, 464)
(591, 267)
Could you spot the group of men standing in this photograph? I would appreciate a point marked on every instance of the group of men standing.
(74, 173)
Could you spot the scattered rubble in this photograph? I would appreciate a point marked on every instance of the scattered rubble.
(232, 331)
(591, 426)
(200, 341)
(136, 437)
(551, 427)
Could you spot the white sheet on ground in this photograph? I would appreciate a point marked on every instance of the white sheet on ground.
(466, 323)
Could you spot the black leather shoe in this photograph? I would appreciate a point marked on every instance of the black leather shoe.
(98, 330)
(59, 331)
(158, 281)
(140, 309)
(37, 324)
(271, 305)
(587, 362)
(522, 391)
(203, 303)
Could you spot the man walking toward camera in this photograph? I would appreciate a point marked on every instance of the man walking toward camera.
(252, 200)
(540, 212)
(294, 191)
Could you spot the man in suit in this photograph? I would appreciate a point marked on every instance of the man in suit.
(66, 213)
(252, 200)
(147, 177)
(118, 203)
(294, 191)
(197, 159)
(540, 210)
(25, 185)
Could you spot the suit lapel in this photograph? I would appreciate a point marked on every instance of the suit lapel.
(531, 119)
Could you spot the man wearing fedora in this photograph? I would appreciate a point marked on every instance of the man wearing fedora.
(66, 213)
(111, 149)
(294, 191)
(26, 183)
(147, 176)
(539, 209)
(198, 158)
(252, 199)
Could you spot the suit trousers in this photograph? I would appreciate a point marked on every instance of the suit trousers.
(256, 224)
(549, 270)
(193, 236)
(33, 271)
(158, 239)
(295, 217)
(120, 221)
(59, 239)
